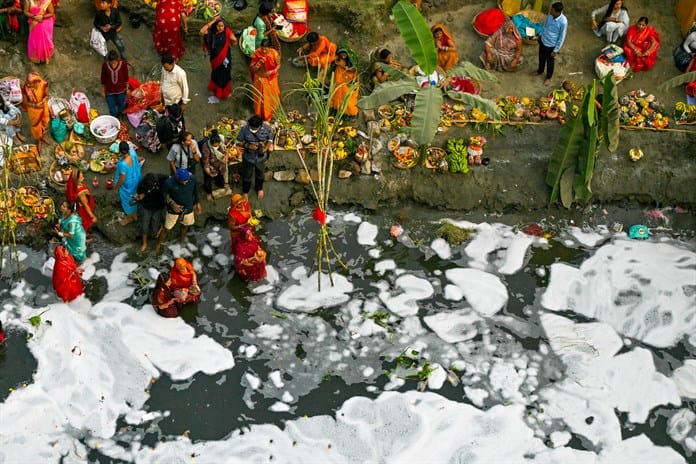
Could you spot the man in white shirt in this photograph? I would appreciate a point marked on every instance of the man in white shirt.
(174, 85)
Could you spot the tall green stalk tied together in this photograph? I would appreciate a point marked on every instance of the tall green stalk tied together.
(327, 121)
(8, 224)
(572, 162)
(428, 105)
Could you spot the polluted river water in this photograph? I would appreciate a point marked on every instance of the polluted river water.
(507, 348)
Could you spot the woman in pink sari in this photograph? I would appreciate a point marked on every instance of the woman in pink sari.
(249, 257)
(41, 17)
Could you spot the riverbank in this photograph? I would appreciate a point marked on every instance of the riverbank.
(514, 179)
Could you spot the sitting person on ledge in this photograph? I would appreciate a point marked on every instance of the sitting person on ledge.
(502, 51)
(447, 56)
(641, 45)
(613, 21)
(319, 51)
(378, 71)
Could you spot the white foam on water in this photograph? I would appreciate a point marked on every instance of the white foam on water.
(454, 326)
(78, 385)
(408, 290)
(560, 438)
(276, 378)
(485, 292)
(214, 237)
(279, 406)
(352, 218)
(441, 248)
(452, 293)
(588, 237)
(253, 381)
(681, 427)
(374, 253)
(207, 250)
(384, 266)
(685, 378)
(222, 259)
(497, 247)
(304, 296)
(367, 233)
(640, 449)
(642, 289)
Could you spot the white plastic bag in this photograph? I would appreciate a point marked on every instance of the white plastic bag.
(11, 90)
(48, 266)
(98, 42)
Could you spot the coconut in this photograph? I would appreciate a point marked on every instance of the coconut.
(552, 113)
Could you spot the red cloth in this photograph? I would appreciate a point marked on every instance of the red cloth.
(642, 40)
(162, 298)
(167, 33)
(489, 21)
(66, 276)
(463, 84)
(249, 256)
(237, 216)
(144, 96)
(182, 277)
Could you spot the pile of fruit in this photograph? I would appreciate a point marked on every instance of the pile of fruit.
(226, 126)
(394, 117)
(684, 113)
(25, 204)
(639, 109)
(457, 155)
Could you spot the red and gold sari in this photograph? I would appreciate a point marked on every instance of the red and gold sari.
(35, 104)
(80, 194)
(645, 41)
(237, 216)
(249, 256)
(66, 278)
(264, 66)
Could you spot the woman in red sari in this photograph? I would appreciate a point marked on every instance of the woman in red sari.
(76, 191)
(218, 41)
(641, 45)
(66, 276)
(238, 215)
(183, 282)
(170, 19)
(162, 298)
(264, 66)
(447, 56)
(249, 256)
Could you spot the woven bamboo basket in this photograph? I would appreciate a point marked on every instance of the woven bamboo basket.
(473, 26)
(536, 17)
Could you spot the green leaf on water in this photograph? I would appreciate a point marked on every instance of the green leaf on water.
(35, 321)
(280, 315)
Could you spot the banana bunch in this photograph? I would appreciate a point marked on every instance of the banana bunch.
(311, 83)
(684, 112)
(457, 155)
(298, 128)
(478, 115)
(339, 153)
(560, 95)
(350, 131)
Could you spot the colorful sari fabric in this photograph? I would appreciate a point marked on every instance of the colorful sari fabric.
(77, 243)
(162, 298)
(249, 256)
(167, 33)
(502, 48)
(344, 75)
(322, 53)
(75, 193)
(182, 277)
(264, 66)
(647, 42)
(219, 45)
(12, 21)
(237, 216)
(35, 104)
(129, 167)
(40, 41)
(66, 276)
(266, 29)
(447, 56)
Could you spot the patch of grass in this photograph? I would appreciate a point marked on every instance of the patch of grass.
(453, 234)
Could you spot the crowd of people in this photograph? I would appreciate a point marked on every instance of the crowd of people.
(162, 200)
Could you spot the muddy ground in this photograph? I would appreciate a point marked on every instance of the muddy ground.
(514, 180)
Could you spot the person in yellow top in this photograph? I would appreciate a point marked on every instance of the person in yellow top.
(344, 75)
(319, 51)
(447, 56)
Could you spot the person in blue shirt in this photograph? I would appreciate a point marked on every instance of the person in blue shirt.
(256, 141)
(551, 41)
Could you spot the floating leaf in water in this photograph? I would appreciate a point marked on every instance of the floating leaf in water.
(35, 321)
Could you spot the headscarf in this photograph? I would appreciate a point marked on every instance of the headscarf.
(444, 30)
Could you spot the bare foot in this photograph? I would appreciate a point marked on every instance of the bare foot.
(260, 194)
(127, 220)
(209, 197)
(547, 82)
(143, 247)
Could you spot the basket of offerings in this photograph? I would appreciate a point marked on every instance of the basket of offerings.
(405, 157)
(59, 173)
(436, 158)
(234, 154)
(25, 159)
(102, 162)
(72, 151)
(464, 85)
(43, 208)
(529, 24)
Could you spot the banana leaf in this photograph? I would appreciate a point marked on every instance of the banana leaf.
(416, 34)
(393, 73)
(571, 141)
(426, 114)
(610, 113)
(467, 69)
(388, 91)
(582, 189)
(678, 80)
(566, 186)
(484, 104)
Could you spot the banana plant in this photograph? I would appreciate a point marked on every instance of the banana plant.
(572, 162)
(428, 103)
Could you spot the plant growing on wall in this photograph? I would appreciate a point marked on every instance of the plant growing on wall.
(426, 112)
(572, 162)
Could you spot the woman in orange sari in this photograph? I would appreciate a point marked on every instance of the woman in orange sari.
(35, 104)
(345, 82)
(238, 215)
(447, 56)
(264, 66)
(641, 45)
(183, 282)
(319, 51)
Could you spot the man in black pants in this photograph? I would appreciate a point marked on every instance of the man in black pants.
(551, 41)
(256, 141)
